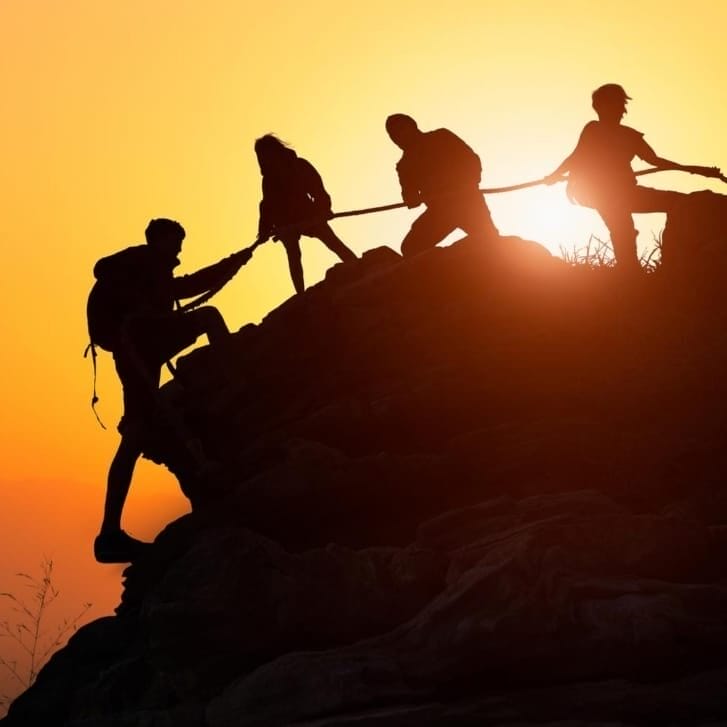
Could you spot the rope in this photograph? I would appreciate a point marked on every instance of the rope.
(400, 205)
(202, 299)
(704, 171)
(523, 185)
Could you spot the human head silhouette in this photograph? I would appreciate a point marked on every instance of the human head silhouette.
(402, 130)
(272, 153)
(165, 237)
(609, 102)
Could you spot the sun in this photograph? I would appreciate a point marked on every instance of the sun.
(545, 215)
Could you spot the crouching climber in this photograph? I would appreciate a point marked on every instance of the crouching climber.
(131, 313)
(440, 170)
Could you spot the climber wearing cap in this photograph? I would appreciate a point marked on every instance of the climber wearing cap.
(600, 174)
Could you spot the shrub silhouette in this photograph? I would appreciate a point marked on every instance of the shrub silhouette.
(28, 631)
(598, 253)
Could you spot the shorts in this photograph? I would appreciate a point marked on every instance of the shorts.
(146, 343)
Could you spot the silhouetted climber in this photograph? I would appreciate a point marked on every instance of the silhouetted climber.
(131, 313)
(294, 203)
(600, 174)
(440, 170)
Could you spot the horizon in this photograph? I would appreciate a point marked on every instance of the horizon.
(113, 116)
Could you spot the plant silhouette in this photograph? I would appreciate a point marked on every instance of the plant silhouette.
(29, 632)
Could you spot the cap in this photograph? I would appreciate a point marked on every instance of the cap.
(609, 92)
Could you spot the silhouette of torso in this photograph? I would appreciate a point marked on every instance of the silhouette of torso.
(438, 162)
(601, 162)
(139, 280)
(292, 194)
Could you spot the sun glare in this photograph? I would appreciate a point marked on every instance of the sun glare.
(545, 215)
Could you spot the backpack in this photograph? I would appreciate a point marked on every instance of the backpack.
(107, 307)
(103, 316)
(111, 298)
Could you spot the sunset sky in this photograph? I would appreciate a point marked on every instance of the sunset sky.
(117, 112)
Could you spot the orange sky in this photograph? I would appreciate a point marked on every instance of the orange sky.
(113, 113)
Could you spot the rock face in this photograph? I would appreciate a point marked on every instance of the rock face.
(477, 487)
(695, 230)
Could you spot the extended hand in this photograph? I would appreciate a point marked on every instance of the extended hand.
(238, 259)
(715, 172)
(244, 256)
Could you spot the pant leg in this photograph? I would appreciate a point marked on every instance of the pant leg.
(474, 216)
(619, 220)
(620, 225)
(291, 243)
(328, 237)
(139, 378)
(428, 229)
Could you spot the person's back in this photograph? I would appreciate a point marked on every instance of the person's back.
(130, 282)
(440, 162)
(136, 290)
(438, 169)
(295, 192)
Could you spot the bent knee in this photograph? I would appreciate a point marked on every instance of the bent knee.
(206, 313)
(207, 321)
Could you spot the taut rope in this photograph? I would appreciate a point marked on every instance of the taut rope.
(704, 171)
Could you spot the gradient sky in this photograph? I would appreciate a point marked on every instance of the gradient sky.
(117, 112)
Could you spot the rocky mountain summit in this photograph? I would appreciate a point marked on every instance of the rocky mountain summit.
(478, 487)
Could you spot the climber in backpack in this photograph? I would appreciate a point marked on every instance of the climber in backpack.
(440, 170)
(131, 313)
(600, 174)
(294, 203)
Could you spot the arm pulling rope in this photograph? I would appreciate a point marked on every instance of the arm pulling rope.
(400, 205)
(703, 171)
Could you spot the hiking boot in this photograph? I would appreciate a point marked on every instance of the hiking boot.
(118, 547)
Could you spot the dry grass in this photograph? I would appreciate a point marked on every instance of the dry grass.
(29, 631)
(598, 254)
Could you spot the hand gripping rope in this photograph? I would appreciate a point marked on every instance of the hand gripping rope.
(703, 171)
(202, 299)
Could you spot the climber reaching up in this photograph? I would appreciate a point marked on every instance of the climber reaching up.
(131, 313)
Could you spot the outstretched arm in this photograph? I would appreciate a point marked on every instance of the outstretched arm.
(565, 166)
(218, 273)
(561, 171)
(651, 157)
(266, 224)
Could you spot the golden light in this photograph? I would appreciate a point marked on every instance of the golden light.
(117, 112)
(545, 214)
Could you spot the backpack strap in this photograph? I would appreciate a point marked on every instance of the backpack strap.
(94, 399)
